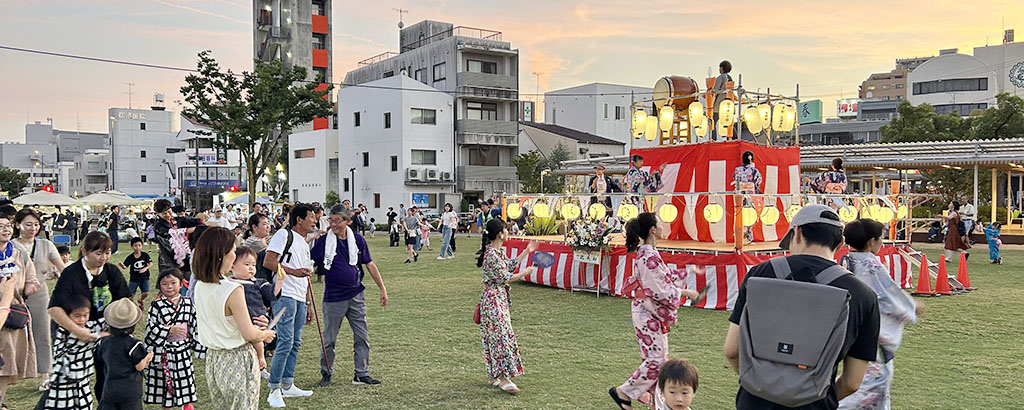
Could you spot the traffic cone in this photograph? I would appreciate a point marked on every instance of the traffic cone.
(961, 273)
(942, 281)
(924, 282)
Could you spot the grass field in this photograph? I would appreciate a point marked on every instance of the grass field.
(425, 349)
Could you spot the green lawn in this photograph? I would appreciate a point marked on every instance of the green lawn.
(426, 350)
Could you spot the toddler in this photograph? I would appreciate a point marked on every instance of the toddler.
(72, 362)
(994, 242)
(170, 336)
(677, 384)
(123, 357)
(258, 293)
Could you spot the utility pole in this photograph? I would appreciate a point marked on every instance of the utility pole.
(130, 85)
(536, 95)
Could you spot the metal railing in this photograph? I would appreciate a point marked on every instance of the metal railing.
(378, 58)
(460, 31)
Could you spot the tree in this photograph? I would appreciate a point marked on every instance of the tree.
(12, 181)
(1005, 120)
(252, 112)
(530, 164)
(331, 199)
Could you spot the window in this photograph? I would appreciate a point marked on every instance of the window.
(424, 157)
(319, 41)
(481, 111)
(606, 111)
(620, 112)
(554, 119)
(143, 178)
(94, 165)
(394, 163)
(142, 154)
(439, 72)
(421, 75)
(376, 200)
(344, 183)
(93, 179)
(423, 116)
(320, 74)
(355, 119)
(486, 67)
(871, 87)
(305, 153)
(901, 85)
(962, 109)
(389, 74)
(366, 159)
(142, 126)
(387, 120)
(944, 86)
(483, 156)
(318, 8)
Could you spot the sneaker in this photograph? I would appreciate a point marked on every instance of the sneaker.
(275, 399)
(295, 391)
(265, 375)
(450, 257)
(440, 258)
(325, 380)
(416, 257)
(407, 261)
(365, 380)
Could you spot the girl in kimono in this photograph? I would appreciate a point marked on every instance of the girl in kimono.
(895, 306)
(72, 362)
(658, 295)
(746, 179)
(170, 335)
(501, 352)
(832, 181)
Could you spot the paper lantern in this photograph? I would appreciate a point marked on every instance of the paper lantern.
(791, 211)
(885, 215)
(651, 129)
(639, 123)
(847, 214)
(876, 209)
(669, 212)
(790, 120)
(666, 116)
(701, 128)
(749, 216)
(770, 215)
(778, 117)
(723, 130)
(541, 210)
(713, 213)
(696, 112)
(866, 212)
(514, 210)
(752, 119)
(570, 211)
(765, 111)
(628, 212)
(725, 112)
(597, 211)
(902, 212)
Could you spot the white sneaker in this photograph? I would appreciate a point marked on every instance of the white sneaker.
(452, 256)
(275, 398)
(440, 258)
(295, 391)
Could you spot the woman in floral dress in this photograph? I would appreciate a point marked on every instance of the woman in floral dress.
(501, 352)
(638, 181)
(660, 292)
(746, 179)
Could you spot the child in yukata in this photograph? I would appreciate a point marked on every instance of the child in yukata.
(72, 362)
(994, 242)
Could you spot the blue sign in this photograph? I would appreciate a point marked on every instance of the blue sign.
(421, 200)
(206, 183)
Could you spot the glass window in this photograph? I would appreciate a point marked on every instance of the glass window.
(944, 86)
(355, 119)
(319, 41)
(421, 75)
(143, 178)
(620, 112)
(487, 67)
(142, 126)
(486, 156)
(142, 154)
(94, 165)
(481, 111)
(423, 116)
(389, 74)
(424, 157)
(439, 72)
(305, 153)
(606, 111)
(376, 200)
(320, 74)
(394, 163)
(366, 159)
(344, 183)
(387, 120)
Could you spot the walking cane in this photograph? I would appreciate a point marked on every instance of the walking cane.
(319, 331)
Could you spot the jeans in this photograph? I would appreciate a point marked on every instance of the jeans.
(289, 338)
(334, 313)
(446, 239)
(418, 244)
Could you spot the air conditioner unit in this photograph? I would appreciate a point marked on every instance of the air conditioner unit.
(414, 174)
(446, 176)
(433, 174)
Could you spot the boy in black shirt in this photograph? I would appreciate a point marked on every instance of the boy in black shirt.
(123, 357)
(138, 264)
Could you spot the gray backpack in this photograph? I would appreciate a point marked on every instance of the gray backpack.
(791, 334)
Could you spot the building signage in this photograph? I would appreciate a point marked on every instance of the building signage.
(809, 112)
(526, 111)
(421, 200)
(209, 177)
(847, 108)
(204, 159)
(128, 115)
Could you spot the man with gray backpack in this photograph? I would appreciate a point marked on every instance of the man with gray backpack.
(797, 317)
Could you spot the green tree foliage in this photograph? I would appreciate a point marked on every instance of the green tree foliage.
(1005, 120)
(252, 112)
(530, 164)
(12, 181)
(331, 199)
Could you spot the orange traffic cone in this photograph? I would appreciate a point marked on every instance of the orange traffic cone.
(924, 281)
(942, 281)
(961, 273)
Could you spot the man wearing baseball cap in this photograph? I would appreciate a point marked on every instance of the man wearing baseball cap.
(815, 233)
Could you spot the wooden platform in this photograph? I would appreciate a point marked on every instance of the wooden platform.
(676, 245)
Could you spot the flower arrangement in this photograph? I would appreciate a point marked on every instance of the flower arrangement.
(588, 235)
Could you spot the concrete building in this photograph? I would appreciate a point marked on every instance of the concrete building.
(313, 166)
(581, 145)
(297, 32)
(217, 170)
(482, 71)
(36, 157)
(597, 108)
(142, 144)
(876, 110)
(88, 174)
(835, 132)
(399, 138)
(893, 84)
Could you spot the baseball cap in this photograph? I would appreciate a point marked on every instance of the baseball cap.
(810, 214)
(598, 166)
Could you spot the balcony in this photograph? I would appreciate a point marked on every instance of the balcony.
(487, 127)
(280, 32)
(487, 139)
(469, 78)
(488, 179)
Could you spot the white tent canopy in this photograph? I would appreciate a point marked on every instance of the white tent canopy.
(44, 198)
(244, 199)
(111, 198)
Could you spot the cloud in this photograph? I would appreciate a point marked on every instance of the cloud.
(208, 13)
(361, 38)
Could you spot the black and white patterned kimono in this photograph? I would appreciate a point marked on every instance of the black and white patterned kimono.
(72, 368)
(170, 381)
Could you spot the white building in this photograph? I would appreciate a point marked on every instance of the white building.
(597, 108)
(964, 83)
(581, 145)
(217, 171)
(36, 157)
(313, 165)
(401, 143)
(141, 146)
(88, 173)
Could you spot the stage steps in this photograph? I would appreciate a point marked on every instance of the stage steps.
(933, 267)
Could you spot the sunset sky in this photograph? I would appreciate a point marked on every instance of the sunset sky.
(826, 46)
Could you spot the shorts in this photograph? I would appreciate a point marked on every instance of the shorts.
(142, 285)
(410, 240)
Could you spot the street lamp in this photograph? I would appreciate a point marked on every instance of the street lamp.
(544, 172)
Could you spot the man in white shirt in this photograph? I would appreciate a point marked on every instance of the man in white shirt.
(968, 213)
(293, 257)
(231, 216)
(218, 219)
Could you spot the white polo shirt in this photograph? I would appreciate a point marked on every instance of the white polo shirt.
(293, 287)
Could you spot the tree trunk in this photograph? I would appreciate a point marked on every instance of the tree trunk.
(251, 170)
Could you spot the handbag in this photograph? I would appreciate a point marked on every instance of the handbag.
(476, 314)
(18, 317)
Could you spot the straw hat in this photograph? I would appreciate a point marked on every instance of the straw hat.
(122, 313)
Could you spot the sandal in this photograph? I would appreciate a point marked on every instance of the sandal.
(618, 401)
(509, 387)
(44, 385)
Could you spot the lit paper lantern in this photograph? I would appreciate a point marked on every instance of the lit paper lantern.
(723, 130)
(639, 123)
(514, 210)
(885, 215)
(778, 117)
(696, 112)
(791, 211)
(726, 112)
(570, 211)
(902, 212)
(713, 213)
(669, 212)
(749, 216)
(867, 213)
(651, 129)
(790, 121)
(666, 116)
(847, 214)
(701, 128)
(628, 211)
(770, 215)
(876, 209)
(752, 119)
(765, 111)
(542, 210)
(597, 211)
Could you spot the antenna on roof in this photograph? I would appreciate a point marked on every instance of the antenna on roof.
(401, 24)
